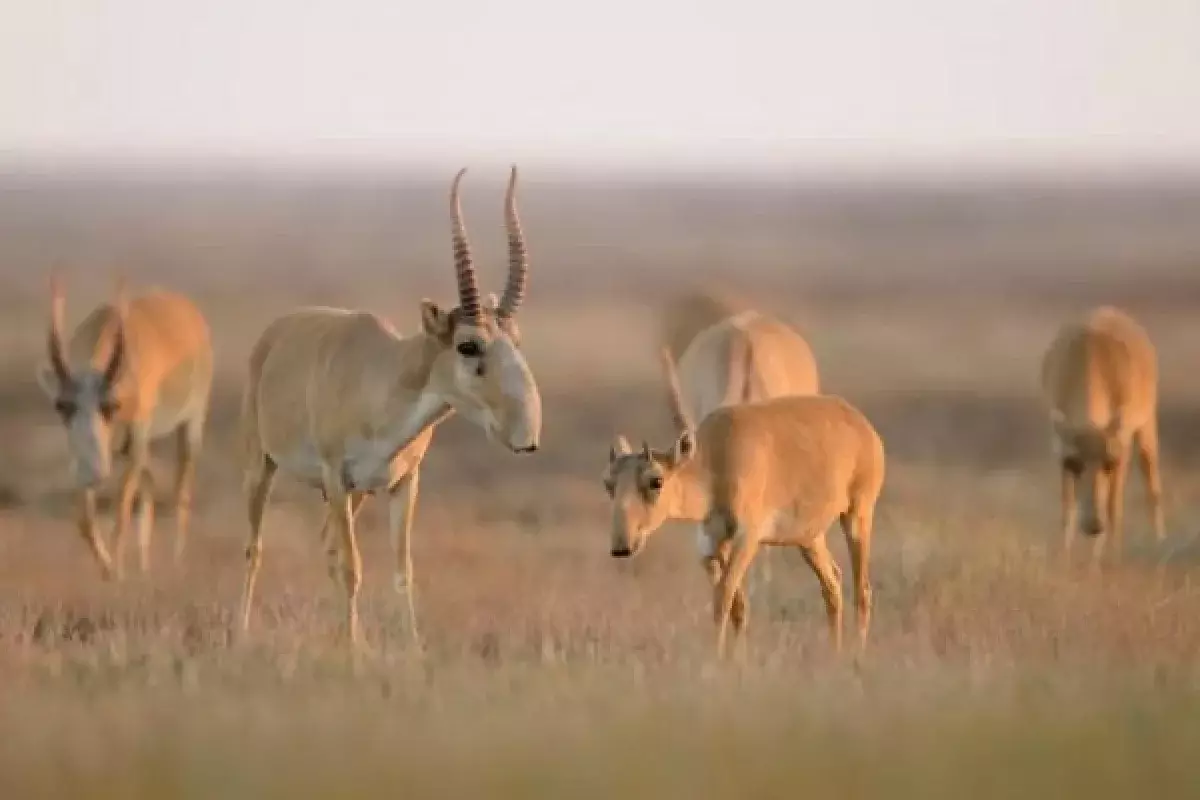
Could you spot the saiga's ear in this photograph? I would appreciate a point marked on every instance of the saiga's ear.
(436, 322)
(620, 447)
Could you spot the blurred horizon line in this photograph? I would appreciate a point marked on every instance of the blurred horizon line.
(156, 165)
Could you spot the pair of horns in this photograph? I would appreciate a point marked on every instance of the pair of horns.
(58, 357)
(464, 267)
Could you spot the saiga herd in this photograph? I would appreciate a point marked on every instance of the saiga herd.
(341, 401)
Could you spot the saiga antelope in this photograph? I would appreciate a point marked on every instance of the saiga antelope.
(132, 372)
(1100, 381)
(730, 353)
(773, 472)
(340, 400)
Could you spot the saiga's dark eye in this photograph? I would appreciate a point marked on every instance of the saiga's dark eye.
(655, 483)
(108, 408)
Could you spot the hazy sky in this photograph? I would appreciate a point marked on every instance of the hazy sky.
(823, 83)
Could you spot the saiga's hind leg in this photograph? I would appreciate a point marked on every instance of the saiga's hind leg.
(258, 489)
(342, 517)
(329, 542)
(1146, 440)
(188, 438)
(402, 504)
(857, 524)
(820, 560)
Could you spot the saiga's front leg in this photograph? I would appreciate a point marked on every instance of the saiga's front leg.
(1069, 512)
(1116, 507)
(402, 504)
(131, 480)
(715, 559)
(86, 521)
(741, 555)
(145, 519)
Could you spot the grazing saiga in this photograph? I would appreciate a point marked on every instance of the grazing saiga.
(772, 472)
(728, 353)
(132, 371)
(1099, 379)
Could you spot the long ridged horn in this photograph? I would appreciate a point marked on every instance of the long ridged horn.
(518, 256)
(117, 355)
(679, 413)
(464, 269)
(58, 359)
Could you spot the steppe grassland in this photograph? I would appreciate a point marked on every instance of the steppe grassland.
(550, 669)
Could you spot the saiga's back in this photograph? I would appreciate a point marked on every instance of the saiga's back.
(746, 357)
(1101, 365)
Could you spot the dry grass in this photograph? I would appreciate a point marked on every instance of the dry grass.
(553, 671)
